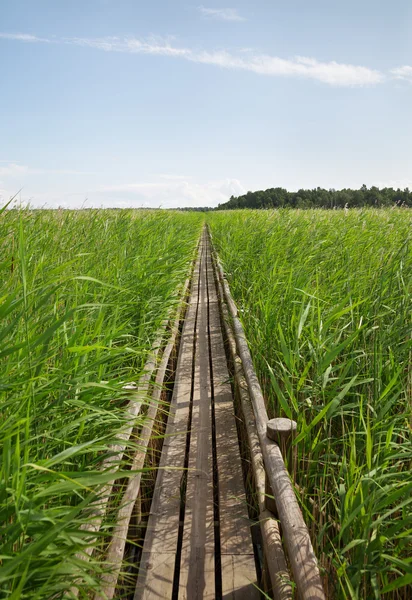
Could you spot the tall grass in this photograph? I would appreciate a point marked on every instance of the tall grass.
(81, 297)
(326, 303)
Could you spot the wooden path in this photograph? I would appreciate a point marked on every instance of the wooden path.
(198, 542)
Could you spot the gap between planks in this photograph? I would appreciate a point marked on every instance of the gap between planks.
(157, 565)
(201, 378)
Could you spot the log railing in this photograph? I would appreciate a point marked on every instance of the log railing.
(274, 437)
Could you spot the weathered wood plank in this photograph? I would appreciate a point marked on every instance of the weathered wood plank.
(235, 536)
(239, 577)
(197, 564)
(163, 524)
(197, 568)
(203, 586)
(160, 585)
(234, 521)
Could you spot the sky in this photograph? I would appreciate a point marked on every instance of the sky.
(175, 103)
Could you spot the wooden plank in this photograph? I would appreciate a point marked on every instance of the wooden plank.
(234, 521)
(159, 552)
(197, 565)
(158, 568)
(238, 565)
(197, 572)
(239, 577)
(201, 583)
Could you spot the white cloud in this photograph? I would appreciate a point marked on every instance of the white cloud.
(395, 184)
(23, 37)
(15, 170)
(170, 194)
(221, 14)
(171, 191)
(18, 179)
(404, 72)
(174, 177)
(153, 45)
(332, 72)
(4, 195)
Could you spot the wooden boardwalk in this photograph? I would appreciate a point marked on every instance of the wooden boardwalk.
(198, 542)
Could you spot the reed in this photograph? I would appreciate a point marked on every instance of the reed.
(82, 295)
(325, 300)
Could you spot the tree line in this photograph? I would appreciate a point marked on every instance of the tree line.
(321, 198)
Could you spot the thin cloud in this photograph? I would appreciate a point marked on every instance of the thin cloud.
(24, 37)
(171, 194)
(15, 170)
(152, 194)
(173, 177)
(331, 73)
(153, 45)
(396, 184)
(221, 14)
(404, 73)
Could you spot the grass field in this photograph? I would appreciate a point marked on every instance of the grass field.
(325, 299)
(81, 297)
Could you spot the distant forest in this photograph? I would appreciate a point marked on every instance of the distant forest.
(321, 198)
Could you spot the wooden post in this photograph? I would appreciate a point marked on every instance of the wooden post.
(283, 431)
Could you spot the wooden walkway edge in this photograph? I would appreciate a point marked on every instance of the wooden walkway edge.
(198, 541)
(303, 562)
(198, 535)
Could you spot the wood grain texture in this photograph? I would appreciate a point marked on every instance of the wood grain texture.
(234, 521)
(201, 387)
(156, 571)
(235, 535)
(197, 565)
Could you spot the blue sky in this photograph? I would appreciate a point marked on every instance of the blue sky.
(180, 103)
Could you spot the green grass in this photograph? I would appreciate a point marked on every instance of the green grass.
(325, 299)
(326, 304)
(81, 297)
